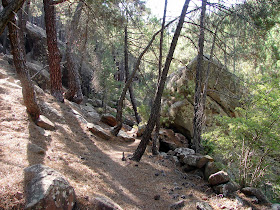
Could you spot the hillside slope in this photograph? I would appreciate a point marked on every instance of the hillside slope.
(93, 166)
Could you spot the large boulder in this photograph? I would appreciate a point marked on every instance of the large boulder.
(168, 140)
(109, 120)
(47, 189)
(222, 96)
(251, 191)
(197, 160)
(220, 177)
(99, 131)
(36, 49)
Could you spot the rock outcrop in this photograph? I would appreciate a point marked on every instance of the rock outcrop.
(47, 189)
(222, 96)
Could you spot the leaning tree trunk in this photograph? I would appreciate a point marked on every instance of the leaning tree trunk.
(198, 105)
(155, 138)
(118, 127)
(75, 91)
(54, 56)
(157, 102)
(5, 40)
(28, 92)
(23, 17)
(126, 67)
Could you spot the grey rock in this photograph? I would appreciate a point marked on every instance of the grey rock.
(275, 206)
(125, 137)
(45, 123)
(251, 191)
(178, 205)
(203, 206)
(47, 189)
(99, 131)
(95, 102)
(220, 177)
(104, 203)
(227, 188)
(184, 151)
(87, 108)
(197, 160)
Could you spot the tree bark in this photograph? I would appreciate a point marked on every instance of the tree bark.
(74, 92)
(5, 40)
(54, 56)
(23, 17)
(8, 13)
(155, 139)
(198, 105)
(118, 127)
(126, 67)
(157, 102)
(28, 92)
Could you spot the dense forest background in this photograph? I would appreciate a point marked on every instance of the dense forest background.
(103, 42)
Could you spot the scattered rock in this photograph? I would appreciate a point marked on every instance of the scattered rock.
(178, 205)
(99, 131)
(35, 149)
(226, 189)
(47, 189)
(251, 191)
(182, 152)
(109, 120)
(203, 206)
(210, 168)
(125, 137)
(95, 102)
(157, 197)
(197, 160)
(45, 123)
(87, 108)
(220, 177)
(275, 206)
(104, 203)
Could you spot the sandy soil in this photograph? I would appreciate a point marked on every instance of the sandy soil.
(93, 166)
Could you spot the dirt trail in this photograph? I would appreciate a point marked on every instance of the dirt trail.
(91, 165)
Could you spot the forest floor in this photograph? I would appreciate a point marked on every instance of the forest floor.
(93, 166)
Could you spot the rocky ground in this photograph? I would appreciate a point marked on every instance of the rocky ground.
(93, 166)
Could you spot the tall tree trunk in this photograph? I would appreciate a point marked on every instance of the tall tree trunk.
(157, 102)
(118, 127)
(8, 13)
(198, 105)
(155, 138)
(75, 92)
(28, 92)
(23, 17)
(126, 67)
(54, 56)
(5, 40)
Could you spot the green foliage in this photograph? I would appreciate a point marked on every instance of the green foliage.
(144, 111)
(251, 139)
